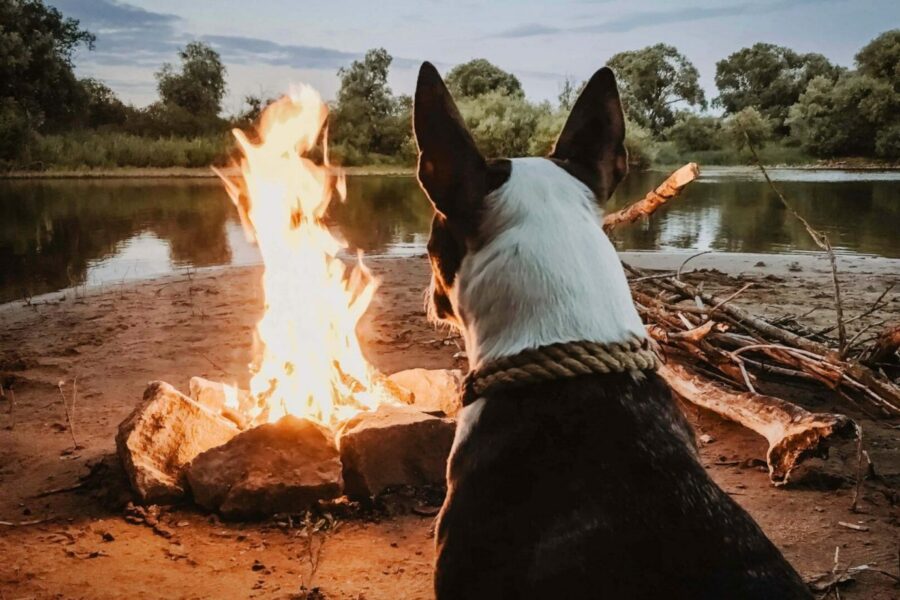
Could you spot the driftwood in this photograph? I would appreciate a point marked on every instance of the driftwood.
(718, 353)
(793, 433)
(669, 189)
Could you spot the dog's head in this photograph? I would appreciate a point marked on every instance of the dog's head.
(490, 206)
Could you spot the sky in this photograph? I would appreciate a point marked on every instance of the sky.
(268, 44)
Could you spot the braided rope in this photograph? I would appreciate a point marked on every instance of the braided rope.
(559, 361)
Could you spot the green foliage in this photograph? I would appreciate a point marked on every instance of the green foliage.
(36, 47)
(502, 124)
(367, 118)
(568, 94)
(641, 146)
(200, 85)
(652, 80)
(887, 143)
(103, 106)
(14, 129)
(747, 125)
(93, 150)
(478, 77)
(693, 132)
(880, 58)
(769, 78)
(845, 117)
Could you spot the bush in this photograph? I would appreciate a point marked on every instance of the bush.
(14, 129)
(692, 132)
(844, 118)
(94, 150)
(748, 124)
(502, 125)
(887, 142)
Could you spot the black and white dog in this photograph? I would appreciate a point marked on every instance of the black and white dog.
(588, 487)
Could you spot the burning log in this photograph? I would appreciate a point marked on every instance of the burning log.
(163, 434)
(285, 466)
(669, 189)
(394, 445)
(793, 433)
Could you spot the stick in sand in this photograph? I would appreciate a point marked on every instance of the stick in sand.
(59, 386)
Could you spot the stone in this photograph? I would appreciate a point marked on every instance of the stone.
(432, 389)
(162, 435)
(281, 467)
(394, 445)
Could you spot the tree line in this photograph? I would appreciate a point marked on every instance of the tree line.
(794, 105)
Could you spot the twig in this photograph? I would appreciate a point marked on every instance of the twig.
(875, 306)
(60, 490)
(730, 298)
(854, 506)
(687, 260)
(820, 239)
(24, 523)
(59, 386)
(853, 526)
(210, 361)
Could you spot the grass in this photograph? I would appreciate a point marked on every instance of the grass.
(93, 151)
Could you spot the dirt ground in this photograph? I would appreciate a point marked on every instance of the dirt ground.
(72, 544)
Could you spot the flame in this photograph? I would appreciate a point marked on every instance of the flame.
(309, 361)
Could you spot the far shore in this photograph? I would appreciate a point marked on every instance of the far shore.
(382, 170)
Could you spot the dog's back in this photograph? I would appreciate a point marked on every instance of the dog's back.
(591, 488)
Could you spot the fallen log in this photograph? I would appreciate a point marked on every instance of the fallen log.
(793, 433)
(667, 190)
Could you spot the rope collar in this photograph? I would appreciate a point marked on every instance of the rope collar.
(558, 361)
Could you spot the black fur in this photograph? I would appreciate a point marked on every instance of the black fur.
(591, 488)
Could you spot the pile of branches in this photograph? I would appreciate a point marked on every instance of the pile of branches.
(717, 353)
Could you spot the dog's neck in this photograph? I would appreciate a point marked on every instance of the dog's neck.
(544, 271)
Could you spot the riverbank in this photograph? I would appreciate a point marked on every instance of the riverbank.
(116, 338)
(385, 170)
(177, 172)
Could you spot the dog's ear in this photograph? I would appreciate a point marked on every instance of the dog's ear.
(451, 169)
(592, 143)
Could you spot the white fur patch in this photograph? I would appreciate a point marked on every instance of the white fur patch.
(546, 271)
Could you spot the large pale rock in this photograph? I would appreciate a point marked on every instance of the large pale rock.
(394, 445)
(277, 467)
(432, 389)
(163, 434)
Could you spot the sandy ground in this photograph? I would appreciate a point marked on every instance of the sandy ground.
(116, 339)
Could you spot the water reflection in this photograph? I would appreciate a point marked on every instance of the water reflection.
(61, 233)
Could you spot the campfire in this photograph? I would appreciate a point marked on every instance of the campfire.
(310, 363)
(318, 419)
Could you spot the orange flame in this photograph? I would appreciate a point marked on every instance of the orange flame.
(310, 363)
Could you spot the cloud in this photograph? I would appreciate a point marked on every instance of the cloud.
(638, 20)
(527, 30)
(130, 35)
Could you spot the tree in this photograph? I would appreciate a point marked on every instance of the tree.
(37, 83)
(769, 78)
(103, 106)
(478, 77)
(367, 118)
(654, 79)
(569, 93)
(854, 116)
(503, 124)
(748, 125)
(200, 85)
(692, 132)
(880, 58)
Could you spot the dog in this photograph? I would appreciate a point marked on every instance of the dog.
(584, 487)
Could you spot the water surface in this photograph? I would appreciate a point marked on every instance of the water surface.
(61, 233)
